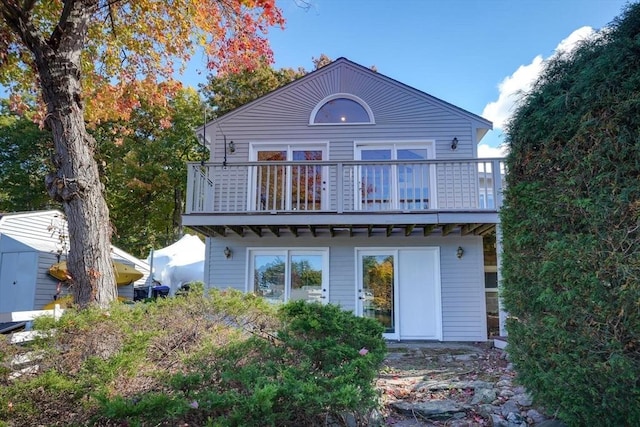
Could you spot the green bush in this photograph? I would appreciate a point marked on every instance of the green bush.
(571, 235)
(321, 363)
(227, 358)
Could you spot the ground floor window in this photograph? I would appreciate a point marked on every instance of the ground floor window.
(281, 275)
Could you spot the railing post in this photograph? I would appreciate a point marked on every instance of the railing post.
(497, 183)
(340, 192)
(207, 188)
(190, 189)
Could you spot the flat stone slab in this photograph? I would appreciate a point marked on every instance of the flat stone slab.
(432, 409)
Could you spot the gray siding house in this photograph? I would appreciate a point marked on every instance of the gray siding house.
(30, 243)
(351, 188)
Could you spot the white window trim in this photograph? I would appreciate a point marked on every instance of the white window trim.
(372, 120)
(287, 252)
(254, 147)
(429, 144)
(361, 251)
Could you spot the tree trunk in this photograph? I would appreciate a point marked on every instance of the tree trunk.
(77, 185)
(76, 182)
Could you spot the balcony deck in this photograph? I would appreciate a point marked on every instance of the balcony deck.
(352, 197)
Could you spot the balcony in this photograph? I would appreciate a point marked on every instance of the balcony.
(388, 195)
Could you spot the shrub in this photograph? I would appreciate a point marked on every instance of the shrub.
(321, 363)
(226, 359)
(571, 241)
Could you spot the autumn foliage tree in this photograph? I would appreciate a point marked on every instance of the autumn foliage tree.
(95, 60)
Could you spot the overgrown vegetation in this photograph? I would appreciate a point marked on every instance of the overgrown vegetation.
(228, 359)
(571, 235)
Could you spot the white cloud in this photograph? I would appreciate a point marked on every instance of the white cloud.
(511, 88)
(521, 81)
(485, 150)
(571, 42)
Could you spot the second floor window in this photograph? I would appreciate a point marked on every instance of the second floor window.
(341, 109)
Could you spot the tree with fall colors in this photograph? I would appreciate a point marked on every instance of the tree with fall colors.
(94, 60)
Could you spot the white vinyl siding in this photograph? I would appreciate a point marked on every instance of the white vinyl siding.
(462, 281)
(401, 113)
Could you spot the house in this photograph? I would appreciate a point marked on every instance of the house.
(30, 243)
(349, 187)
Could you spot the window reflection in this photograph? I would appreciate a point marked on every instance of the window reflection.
(342, 110)
(306, 278)
(268, 277)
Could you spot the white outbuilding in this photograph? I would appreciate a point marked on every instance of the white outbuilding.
(30, 243)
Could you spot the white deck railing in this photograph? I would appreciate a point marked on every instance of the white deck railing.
(349, 186)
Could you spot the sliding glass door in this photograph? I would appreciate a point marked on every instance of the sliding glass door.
(393, 186)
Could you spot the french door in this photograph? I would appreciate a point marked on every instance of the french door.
(400, 288)
(401, 186)
(288, 187)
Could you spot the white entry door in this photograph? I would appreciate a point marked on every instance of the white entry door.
(419, 301)
(401, 289)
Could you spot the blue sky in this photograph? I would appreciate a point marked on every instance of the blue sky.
(466, 52)
(476, 54)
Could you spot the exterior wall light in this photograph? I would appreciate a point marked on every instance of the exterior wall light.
(459, 252)
(227, 252)
(454, 143)
(232, 147)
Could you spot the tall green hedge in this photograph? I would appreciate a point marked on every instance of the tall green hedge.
(571, 231)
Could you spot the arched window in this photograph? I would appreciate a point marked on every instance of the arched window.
(341, 109)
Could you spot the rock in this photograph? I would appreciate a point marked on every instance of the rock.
(519, 390)
(515, 420)
(349, 419)
(503, 383)
(485, 410)
(411, 422)
(477, 384)
(465, 357)
(446, 385)
(535, 417)
(506, 392)
(498, 421)
(432, 409)
(509, 407)
(483, 395)
(523, 399)
(433, 385)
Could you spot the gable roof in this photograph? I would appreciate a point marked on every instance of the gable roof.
(482, 124)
